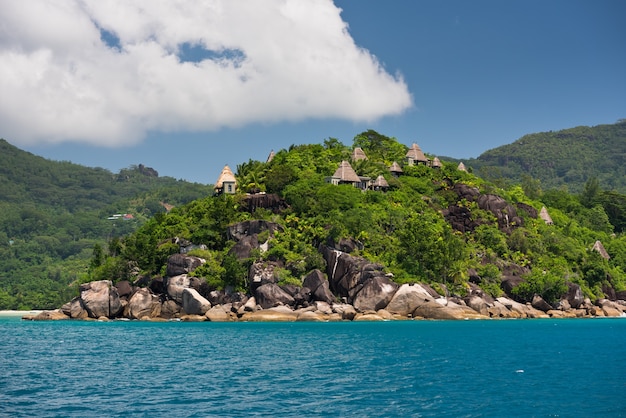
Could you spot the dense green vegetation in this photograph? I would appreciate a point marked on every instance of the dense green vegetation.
(403, 228)
(53, 214)
(567, 158)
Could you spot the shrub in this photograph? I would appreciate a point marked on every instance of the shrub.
(543, 283)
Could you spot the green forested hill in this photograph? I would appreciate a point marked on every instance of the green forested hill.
(568, 158)
(441, 226)
(53, 213)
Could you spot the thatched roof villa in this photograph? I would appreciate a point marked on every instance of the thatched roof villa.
(226, 182)
(395, 169)
(358, 154)
(415, 155)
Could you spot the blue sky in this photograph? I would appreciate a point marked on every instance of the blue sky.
(456, 77)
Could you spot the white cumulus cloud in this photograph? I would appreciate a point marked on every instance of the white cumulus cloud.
(110, 71)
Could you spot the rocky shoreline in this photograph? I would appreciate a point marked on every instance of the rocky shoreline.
(182, 300)
(351, 289)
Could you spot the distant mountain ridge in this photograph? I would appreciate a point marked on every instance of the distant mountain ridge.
(53, 213)
(26, 177)
(568, 157)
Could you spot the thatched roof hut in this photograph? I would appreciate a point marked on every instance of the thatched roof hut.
(226, 182)
(358, 154)
(415, 155)
(271, 156)
(543, 214)
(600, 249)
(395, 169)
(380, 183)
(346, 174)
(461, 167)
(436, 163)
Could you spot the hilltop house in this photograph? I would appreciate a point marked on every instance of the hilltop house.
(395, 169)
(415, 156)
(461, 167)
(226, 182)
(345, 174)
(380, 184)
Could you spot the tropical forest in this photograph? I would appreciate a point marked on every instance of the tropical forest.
(427, 220)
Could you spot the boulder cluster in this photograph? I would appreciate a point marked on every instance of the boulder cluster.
(354, 290)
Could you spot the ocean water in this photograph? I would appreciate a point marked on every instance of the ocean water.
(497, 368)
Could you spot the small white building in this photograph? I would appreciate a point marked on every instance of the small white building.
(226, 182)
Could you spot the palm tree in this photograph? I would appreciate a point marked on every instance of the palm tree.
(251, 176)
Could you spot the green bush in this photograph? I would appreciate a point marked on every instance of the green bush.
(543, 283)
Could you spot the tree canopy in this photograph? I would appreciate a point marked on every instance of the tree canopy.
(421, 228)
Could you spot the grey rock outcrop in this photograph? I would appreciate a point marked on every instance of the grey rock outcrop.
(270, 295)
(261, 273)
(177, 284)
(347, 274)
(170, 309)
(178, 264)
(54, 315)
(269, 315)
(243, 248)
(407, 298)
(436, 310)
(301, 294)
(218, 314)
(246, 235)
(505, 213)
(240, 230)
(346, 311)
(143, 304)
(375, 294)
(523, 310)
(100, 298)
(124, 289)
(319, 286)
(75, 309)
(478, 304)
(346, 245)
(194, 303)
(574, 295)
(539, 303)
(460, 218)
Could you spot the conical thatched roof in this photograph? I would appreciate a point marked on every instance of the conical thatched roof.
(346, 173)
(270, 157)
(600, 248)
(436, 163)
(415, 153)
(225, 176)
(395, 168)
(543, 214)
(461, 167)
(358, 154)
(380, 182)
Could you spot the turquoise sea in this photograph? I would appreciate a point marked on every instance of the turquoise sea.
(497, 368)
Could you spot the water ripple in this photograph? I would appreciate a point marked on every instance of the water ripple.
(428, 368)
